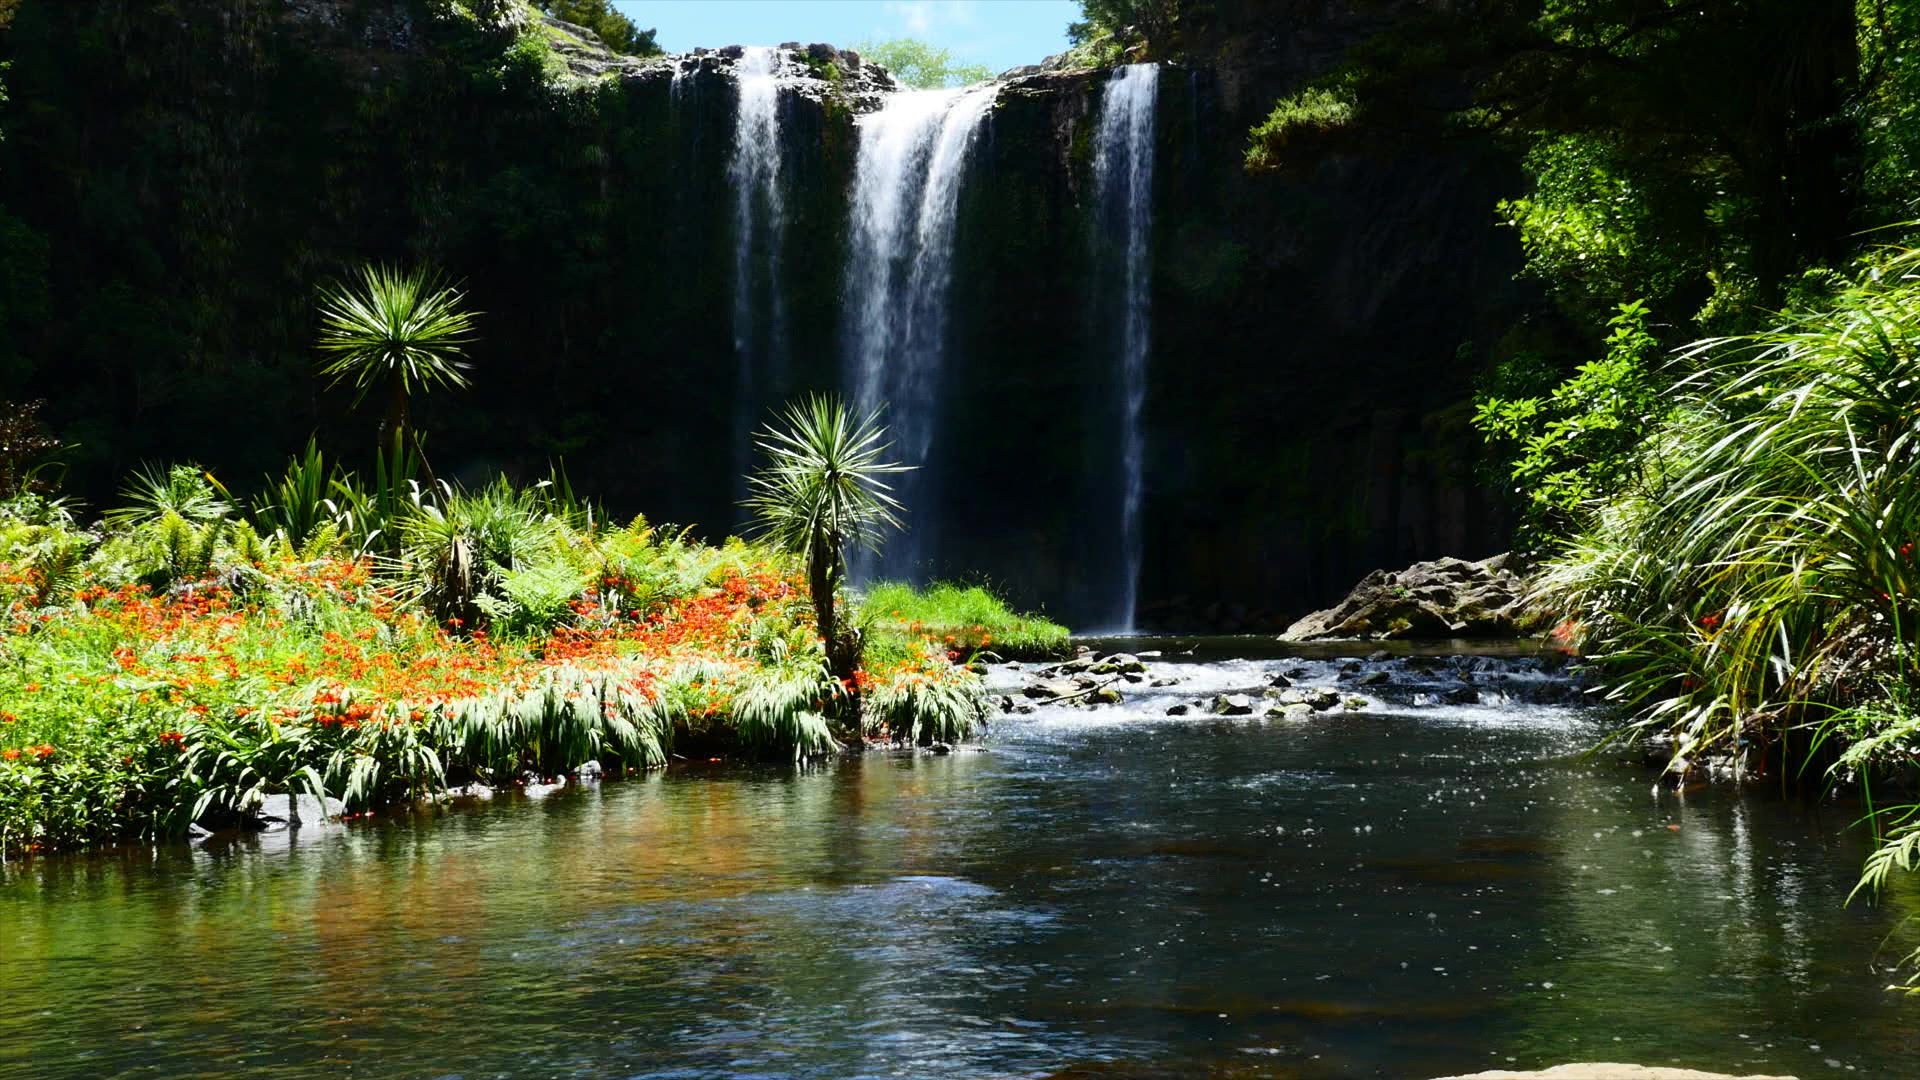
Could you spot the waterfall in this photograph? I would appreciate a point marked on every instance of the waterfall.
(759, 227)
(1123, 180)
(912, 158)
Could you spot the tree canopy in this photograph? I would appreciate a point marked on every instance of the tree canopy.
(1697, 156)
(921, 65)
(616, 31)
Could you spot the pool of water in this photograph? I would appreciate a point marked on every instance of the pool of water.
(1404, 891)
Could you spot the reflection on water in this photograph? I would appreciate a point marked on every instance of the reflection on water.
(1400, 892)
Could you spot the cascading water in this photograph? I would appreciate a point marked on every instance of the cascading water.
(913, 156)
(759, 227)
(1123, 179)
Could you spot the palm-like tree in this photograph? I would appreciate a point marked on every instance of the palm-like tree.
(404, 329)
(822, 489)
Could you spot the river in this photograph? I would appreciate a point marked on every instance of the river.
(1403, 891)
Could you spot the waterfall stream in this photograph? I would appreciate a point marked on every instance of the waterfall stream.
(913, 156)
(1123, 179)
(759, 226)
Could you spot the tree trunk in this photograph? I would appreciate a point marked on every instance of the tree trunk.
(396, 424)
(824, 571)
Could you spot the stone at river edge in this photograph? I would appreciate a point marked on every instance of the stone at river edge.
(1439, 599)
(1607, 1071)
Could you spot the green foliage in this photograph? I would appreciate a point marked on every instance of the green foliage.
(823, 487)
(1594, 229)
(1128, 26)
(1583, 441)
(187, 492)
(921, 65)
(179, 665)
(783, 706)
(394, 328)
(963, 617)
(931, 701)
(615, 31)
(401, 330)
(457, 550)
(1762, 568)
(1314, 112)
(1698, 157)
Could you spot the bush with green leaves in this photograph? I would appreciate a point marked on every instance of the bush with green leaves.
(1583, 441)
(1761, 569)
(960, 618)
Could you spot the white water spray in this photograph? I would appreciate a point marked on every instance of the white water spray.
(906, 198)
(1123, 178)
(759, 229)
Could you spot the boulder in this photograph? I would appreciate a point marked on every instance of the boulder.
(276, 812)
(1322, 700)
(1050, 688)
(1106, 695)
(1295, 711)
(1439, 599)
(1608, 1071)
(1231, 705)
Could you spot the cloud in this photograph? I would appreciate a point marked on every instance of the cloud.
(923, 17)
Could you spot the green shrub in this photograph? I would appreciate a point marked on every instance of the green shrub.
(962, 618)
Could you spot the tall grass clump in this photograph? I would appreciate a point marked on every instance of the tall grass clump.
(1759, 581)
(967, 618)
(1758, 589)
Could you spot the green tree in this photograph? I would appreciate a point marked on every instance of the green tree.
(616, 31)
(822, 489)
(1695, 155)
(402, 329)
(921, 65)
(1151, 25)
(1584, 441)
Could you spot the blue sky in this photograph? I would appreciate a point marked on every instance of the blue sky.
(998, 33)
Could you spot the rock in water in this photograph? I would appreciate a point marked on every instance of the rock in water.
(1438, 599)
(1607, 1071)
(1231, 705)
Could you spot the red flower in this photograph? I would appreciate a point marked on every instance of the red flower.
(172, 739)
(1710, 621)
(9, 754)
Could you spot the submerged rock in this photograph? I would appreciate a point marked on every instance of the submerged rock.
(275, 812)
(1442, 598)
(1608, 1071)
(1231, 705)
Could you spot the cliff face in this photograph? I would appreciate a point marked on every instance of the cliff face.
(195, 170)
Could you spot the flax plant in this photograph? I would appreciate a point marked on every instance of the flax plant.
(1763, 575)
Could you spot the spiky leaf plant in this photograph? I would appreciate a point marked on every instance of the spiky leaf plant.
(823, 488)
(404, 330)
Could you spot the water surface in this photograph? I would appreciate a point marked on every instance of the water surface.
(1402, 892)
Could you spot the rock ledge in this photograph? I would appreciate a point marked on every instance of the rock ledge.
(1606, 1070)
(1440, 599)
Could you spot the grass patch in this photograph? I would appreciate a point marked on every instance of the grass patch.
(963, 618)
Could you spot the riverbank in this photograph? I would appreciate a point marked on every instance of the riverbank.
(166, 672)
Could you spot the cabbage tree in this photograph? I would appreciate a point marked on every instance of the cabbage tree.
(823, 489)
(397, 331)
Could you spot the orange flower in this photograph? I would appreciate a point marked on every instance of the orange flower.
(9, 754)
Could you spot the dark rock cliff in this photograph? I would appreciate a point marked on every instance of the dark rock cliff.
(194, 169)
